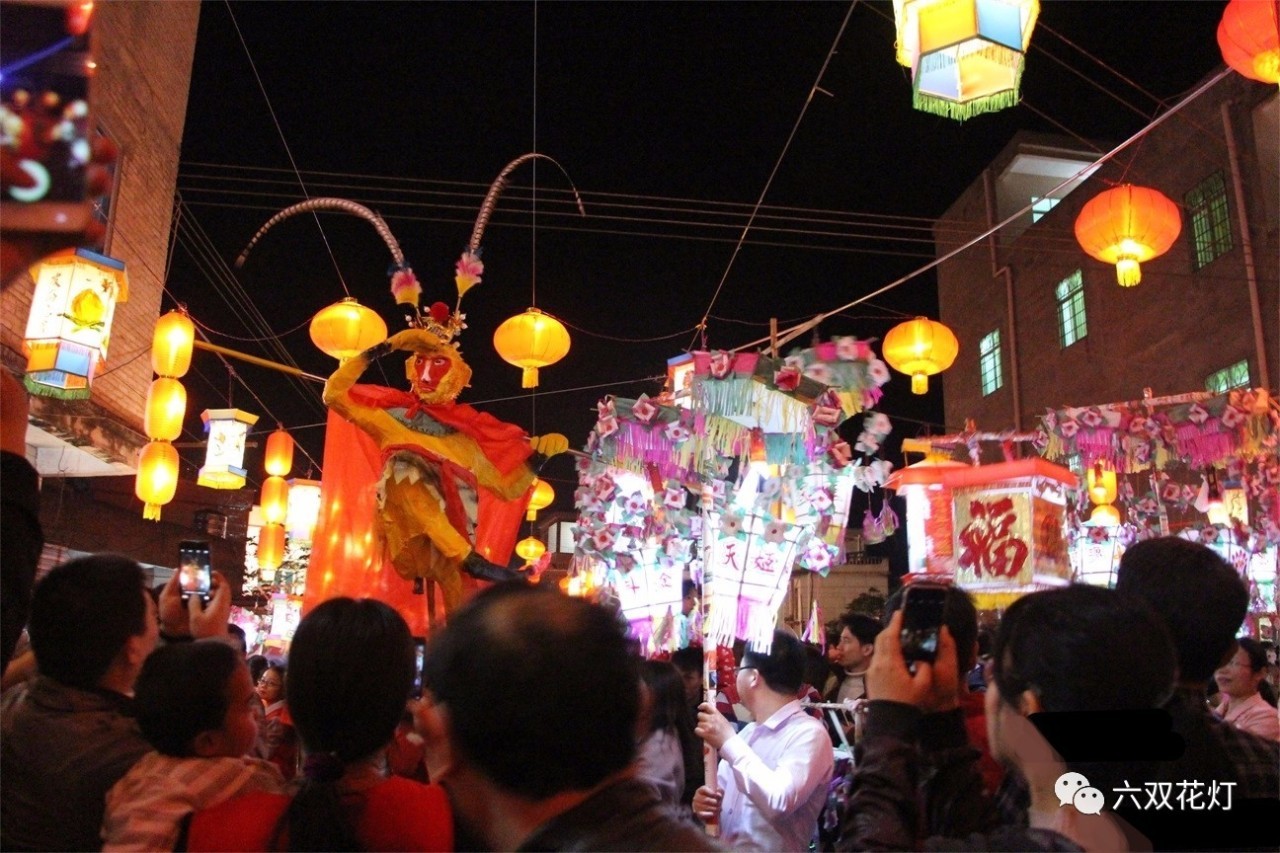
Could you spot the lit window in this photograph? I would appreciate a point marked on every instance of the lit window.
(1235, 376)
(1206, 207)
(989, 363)
(1041, 206)
(1071, 322)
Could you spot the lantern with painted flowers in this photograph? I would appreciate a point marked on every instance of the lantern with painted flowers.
(531, 340)
(227, 429)
(1127, 225)
(1249, 38)
(69, 325)
(920, 348)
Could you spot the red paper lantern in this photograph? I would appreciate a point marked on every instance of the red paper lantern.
(1127, 225)
(1249, 38)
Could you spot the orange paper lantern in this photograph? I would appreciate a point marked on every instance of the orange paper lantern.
(279, 454)
(270, 547)
(157, 479)
(171, 345)
(347, 328)
(920, 348)
(541, 498)
(531, 340)
(1249, 38)
(1127, 225)
(166, 408)
(275, 500)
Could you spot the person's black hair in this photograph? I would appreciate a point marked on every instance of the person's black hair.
(570, 691)
(783, 667)
(1083, 648)
(816, 666)
(351, 666)
(257, 665)
(1257, 654)
(183, 690)
(958, 614)
(1198, 595)
(82, 614)
(688, 659)
(668, 710)
(864, 628)
(687, 588)
(236, 631)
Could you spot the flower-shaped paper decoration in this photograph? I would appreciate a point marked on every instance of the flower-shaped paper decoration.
(721, 364)
(787, 379)
(643, 410)
(775, 532)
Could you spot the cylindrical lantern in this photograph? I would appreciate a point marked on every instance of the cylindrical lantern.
(347, 328)
(69, 325)
(541, 498)
(304, 509)
(1102, 484)
(920, 348)
(157, 479)
(224, 456)
(270, 547)
(279, 455)
(530, 549)
(171, 345)
(1127, 225)
(166, 408)
(1249, 38)
(531, 340)
(275, 500)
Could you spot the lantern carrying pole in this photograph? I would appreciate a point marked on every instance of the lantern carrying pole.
(260, 362)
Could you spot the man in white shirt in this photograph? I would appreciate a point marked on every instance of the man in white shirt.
(773, 775)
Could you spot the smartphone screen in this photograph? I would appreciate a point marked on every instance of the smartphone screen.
(921, 621)
(419, 657)
(195, 576)
(45, 63)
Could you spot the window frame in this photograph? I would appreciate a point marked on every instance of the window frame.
(1073, 321)
(1230, 380)
(990, 368)
(1208, 220)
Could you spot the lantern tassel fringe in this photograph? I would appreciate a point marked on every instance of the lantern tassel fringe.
(151, 512)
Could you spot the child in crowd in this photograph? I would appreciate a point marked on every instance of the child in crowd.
(195, 704)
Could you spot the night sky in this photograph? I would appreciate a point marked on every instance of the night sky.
(670, 119)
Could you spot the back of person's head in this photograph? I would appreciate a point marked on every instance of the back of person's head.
(351, 666)
(864, 628)
(666, 694)
(1083, 648)
(529, 666)
(1198, 595)
(688, 658)
(83, 613)
(782, 668)
(958, 614)
(257, 665)
(183, 690)
(242, 641)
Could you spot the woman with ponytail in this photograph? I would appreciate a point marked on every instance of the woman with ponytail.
(351, 668)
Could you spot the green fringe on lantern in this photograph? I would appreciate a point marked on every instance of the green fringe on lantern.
(787, 448)
(962, 111)
(41, 390)
(728, 396)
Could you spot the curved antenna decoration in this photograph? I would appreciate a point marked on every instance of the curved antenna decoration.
(500, 183)
(330, 204)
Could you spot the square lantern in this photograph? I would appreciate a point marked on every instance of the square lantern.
(69, 325)
(966, 56)
(227, 429)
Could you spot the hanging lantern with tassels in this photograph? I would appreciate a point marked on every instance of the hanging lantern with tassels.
(540, 498)
(966, 56)
(227, 429)
(1249, 38)
(69, 325)
(1127, 225)
(157, 478)
(531, 340)
(920, 348)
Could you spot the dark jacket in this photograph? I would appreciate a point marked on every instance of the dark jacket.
(20, 547)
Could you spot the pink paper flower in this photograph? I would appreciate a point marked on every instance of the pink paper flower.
(776, 532)
(603, 539)
(820, 372)
(643, 410)
(846, 348)
(605, 408)
(877, 371)
(730, 524)
(820, 499)
(1232, 417)
(867, 443)
(1197, 414)
(1091, 418)
(1171, 492)
(636, 504)
(786, 379)
(721, 364)
(607, 426)
(1068, 428)
(879, 423)
(816, 554)
(605, 488)
(673, 497)
(1050, 419)
(678, 433)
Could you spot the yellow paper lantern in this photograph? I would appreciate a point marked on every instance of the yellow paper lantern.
(966, 56)
(157, 479)
(1102, 484)
(531, 340)
(347, 328)
(541, 498)
(270, 548)
(69, 325)
(224, 456)
(166, 408)
(1249, 38)
(171, 345)
(279, 454)
(275, 500)
(1104, 515)
(920, 348)
(1127, 225)
(530, 549)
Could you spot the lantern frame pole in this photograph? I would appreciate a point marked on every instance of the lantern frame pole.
(253, 359)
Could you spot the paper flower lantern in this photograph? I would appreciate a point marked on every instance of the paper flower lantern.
(69, 325)
(541, 498)
(531, 340)
(920, 348)
(966, 56)
(1127, 225)
(1249, 38)
(279, 455)
(171, 345)
(224, 457)
(157, 479)
(346, 328)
